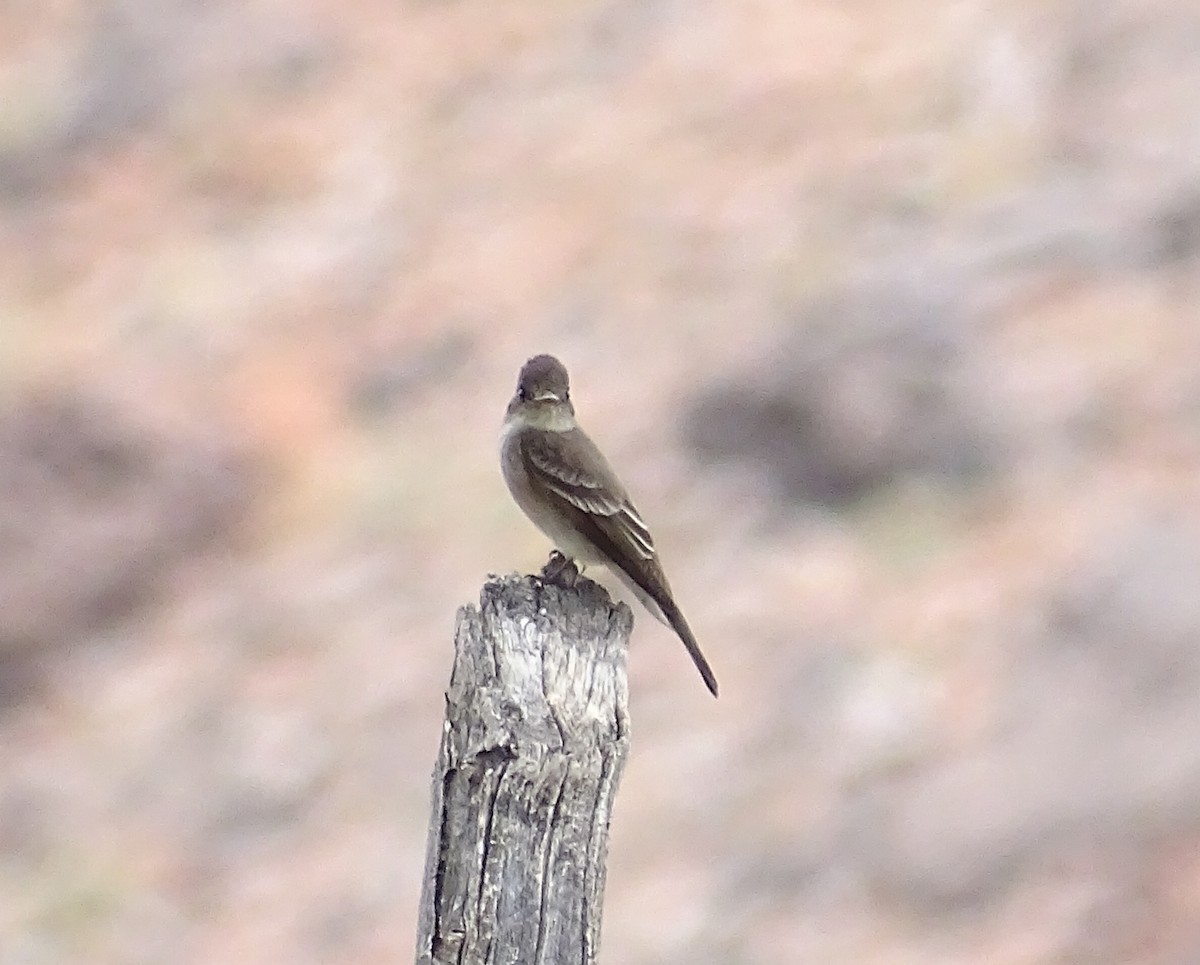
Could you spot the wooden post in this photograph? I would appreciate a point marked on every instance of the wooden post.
(535, 738)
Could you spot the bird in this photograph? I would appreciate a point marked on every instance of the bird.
(563, 483)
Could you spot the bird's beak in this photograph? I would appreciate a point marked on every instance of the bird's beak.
(546, 397)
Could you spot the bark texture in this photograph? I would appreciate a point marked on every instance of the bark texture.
(533, 745)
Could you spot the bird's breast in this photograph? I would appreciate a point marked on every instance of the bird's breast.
(545, 509)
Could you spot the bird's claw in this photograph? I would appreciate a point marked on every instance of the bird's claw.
(560, 570)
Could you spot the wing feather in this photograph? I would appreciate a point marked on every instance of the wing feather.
(571, 466)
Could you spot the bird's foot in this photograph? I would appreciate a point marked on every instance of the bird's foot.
(560, 570)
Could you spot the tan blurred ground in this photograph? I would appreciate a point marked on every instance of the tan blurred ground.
(886, 312)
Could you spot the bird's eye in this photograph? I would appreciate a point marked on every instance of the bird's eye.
(522, 394)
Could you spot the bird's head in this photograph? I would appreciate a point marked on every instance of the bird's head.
(543, 396)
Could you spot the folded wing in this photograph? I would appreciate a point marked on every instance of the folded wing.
(558, 461)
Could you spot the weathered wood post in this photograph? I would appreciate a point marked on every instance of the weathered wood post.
(534, 741)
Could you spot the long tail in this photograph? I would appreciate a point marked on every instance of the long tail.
(663, 608)
(675, 618)
(649, 584)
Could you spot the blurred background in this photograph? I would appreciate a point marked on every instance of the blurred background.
(886, 314)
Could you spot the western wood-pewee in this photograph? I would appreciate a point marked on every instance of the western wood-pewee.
(566, 487)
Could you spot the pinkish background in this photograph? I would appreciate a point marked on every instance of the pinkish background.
(885, 311)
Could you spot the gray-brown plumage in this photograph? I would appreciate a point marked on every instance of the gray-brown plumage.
(566, 487)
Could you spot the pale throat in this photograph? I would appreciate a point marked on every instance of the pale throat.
(558, 418)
